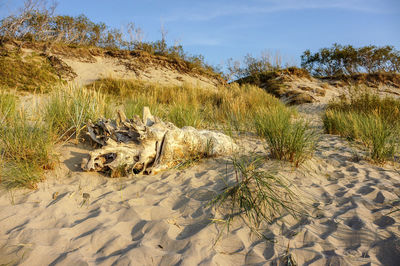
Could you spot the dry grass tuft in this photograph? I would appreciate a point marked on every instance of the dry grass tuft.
(288, 140)
(255, 194)
(367, 118)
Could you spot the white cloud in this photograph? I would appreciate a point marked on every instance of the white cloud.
(211, 10)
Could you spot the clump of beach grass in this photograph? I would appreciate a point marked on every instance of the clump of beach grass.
(26, 149)
(369, 119)
(70, 107)
(8, 103)
(288, 139)
(182, 116)
(255, 194)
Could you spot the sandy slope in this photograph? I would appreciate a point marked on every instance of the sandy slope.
(103, 67)
(164, 220)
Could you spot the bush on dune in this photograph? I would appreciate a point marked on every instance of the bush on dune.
(348, 60)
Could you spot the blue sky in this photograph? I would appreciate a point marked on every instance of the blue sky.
(223, 29)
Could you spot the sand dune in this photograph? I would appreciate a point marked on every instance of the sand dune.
(104, 67)
(164, 219)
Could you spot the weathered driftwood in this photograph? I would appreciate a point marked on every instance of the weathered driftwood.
(149, 145)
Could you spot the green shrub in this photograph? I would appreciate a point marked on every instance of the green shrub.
(288, 140)
(347, 60)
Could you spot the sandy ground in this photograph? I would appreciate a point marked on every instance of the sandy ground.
(164, 219)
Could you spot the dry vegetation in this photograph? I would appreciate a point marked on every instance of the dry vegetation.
(29, 72)
(37, 25)
(256, 194)
(230, 107)
(367, 118)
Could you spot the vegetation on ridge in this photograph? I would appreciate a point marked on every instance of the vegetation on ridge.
(347, 60)
(37, 23)
(29, 73)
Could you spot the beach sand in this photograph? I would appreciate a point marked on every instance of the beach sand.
(78, 218)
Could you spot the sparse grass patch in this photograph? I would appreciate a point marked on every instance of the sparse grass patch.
(372, 120)
(255, 194)
(288, 140)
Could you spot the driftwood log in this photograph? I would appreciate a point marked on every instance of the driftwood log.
(149, 145)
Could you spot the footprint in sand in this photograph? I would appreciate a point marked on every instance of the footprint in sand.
(379, 198)
(365, 190)
(384, 222)
(355, 223)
